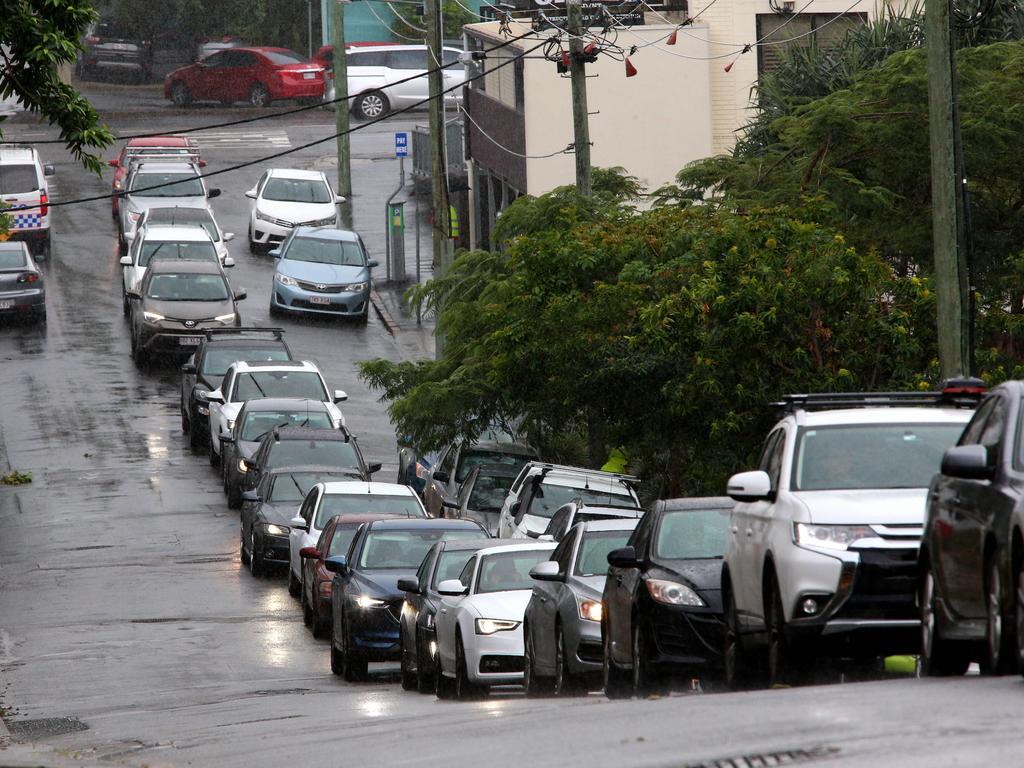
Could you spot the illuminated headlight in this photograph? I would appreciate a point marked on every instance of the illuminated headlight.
(276, 530)
(325, 589)
(280, 222)
(118, 184)
(231, 424)
(203, 410)
(152, 317)
(673, 593)
(590, 610)
(365, 601)
(839, 537)
(243, 466)
(284, 279)
(490, 626)
(228, 318)
(323, 222)
(354, 287)
(430, 621)
(433, 649)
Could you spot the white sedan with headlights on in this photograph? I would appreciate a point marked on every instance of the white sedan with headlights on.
(284, 199)
(479, 622)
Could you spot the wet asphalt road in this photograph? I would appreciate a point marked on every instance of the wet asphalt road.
(123, 603)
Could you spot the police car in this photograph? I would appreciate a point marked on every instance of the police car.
(25, 197)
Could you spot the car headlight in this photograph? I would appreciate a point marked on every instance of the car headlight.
(276, 530)
(118, 184)
(228, 318)
(243, 466)
(354, 287)
(203, 410)
(365, 601)
(280, 222)
(429, 621)
(490, 626)
(325, 589)
(421, 470)
(231, 424)
(284, 279)
(590, 610)
(152, 317)
(673, 593)
(830, 536)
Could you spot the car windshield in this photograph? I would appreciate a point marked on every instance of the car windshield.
(325, 251)
(178, 185)
(325, 453)
(367, 504)
(304, 384)
(196, 217)
(297, 191)
(182, 251)
(216, 361)
(508, 570)
(186, 287)
(341, 540)
(688, 534)
(16, 179)
(592, 559)
(450, 564)
(489, 493)
(404, 549)
(474, 458)
(258, 423)
(548, 498)
(10, 259)
(293, 486)
(853, 456)
(284, 57)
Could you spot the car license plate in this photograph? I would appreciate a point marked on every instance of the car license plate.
(308, 75)
(319, 300)
(188, 341)
(6, 304)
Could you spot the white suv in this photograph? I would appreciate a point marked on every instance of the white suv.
(822, 550)
(542, 488)
(159, 185)
(23, 185)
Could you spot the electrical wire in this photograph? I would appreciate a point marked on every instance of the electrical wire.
(404, 21)
(290, 150)
(502, 147)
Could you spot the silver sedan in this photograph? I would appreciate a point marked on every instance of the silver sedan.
(22, 292)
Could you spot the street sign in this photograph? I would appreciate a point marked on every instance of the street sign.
(401, 144)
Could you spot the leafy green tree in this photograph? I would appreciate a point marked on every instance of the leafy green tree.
(37, 38)
(407, 24)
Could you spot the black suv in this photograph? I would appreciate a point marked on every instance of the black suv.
(302, 446)
(971, 563)
(113, 49)
(203, 371)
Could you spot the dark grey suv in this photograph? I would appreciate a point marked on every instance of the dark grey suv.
(114, 49)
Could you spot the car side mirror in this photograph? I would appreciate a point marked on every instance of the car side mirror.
(969, 462)
(448, 501)
(251, 194)
(409, 584)
(230, 441)
(374, 467)
(336, 564)
(215, 397)
(240, 294)
(750, 486)
(517, 511)
(441, 476)
(372, 263)
(299, 522)
(339, 199)
(126, 261)
(340, 396)
(133, 295)
(114, 163)
(252, 496)
(546, 571)
(228, 262)
(451, 588)
(48, 170)
(624, 557)
(215, 192)
(274, 253)
(309, 553)
(189, 369)
(229, 236)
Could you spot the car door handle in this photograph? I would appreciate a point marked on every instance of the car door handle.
(444, 610)
(735, 529)
(750, 531)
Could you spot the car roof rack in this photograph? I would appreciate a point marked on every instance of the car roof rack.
(210, 333)
(956, 393)
(547, 467)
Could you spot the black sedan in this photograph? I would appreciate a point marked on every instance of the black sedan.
(365, 600)
(662, 598)
(256, 419)
(302, 446)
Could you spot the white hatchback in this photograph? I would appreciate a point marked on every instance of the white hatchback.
(284, 199)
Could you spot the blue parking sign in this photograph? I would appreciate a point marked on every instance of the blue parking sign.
(401, 144)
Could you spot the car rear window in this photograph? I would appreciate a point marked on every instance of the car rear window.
(327, 453)
(216, 361)
(474, 458)
(689, 534)
(182, 251)
(548, 498)
(177, 185)
(366, 504)
(284, 57)
(17, 179)
(297, 191)
(12, 260)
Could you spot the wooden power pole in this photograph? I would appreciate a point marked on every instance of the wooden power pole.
(947, 199)
(441, 230)
(580, 114)
(341, 110)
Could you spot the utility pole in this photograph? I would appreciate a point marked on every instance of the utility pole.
(948, 230)
(441, 230)
(580, 115)
(341, 110)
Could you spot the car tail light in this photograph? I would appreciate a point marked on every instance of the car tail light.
(964, 386)
(28, 277)
(44, 207)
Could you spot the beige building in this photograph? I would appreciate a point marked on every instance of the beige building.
(686, 101)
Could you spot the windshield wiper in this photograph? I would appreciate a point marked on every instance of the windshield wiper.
(257, 385)
(296, 483)
(261, 435)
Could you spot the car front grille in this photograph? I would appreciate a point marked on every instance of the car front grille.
(500, 664)
(884, 586)
(319, 287)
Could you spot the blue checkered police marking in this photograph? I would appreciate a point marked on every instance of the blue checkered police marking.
(28, 220)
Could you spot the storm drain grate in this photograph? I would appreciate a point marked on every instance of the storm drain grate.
(768, 759)
(33, 730)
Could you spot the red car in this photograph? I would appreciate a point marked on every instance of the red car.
(257, 75)
(166, 147)
(316, 579)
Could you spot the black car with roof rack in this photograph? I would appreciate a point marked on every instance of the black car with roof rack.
(202, 372)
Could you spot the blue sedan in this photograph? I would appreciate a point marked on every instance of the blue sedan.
(320, 270)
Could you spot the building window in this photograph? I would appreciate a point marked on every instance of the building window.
(778, 31)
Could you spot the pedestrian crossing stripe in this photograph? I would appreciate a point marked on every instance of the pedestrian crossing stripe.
(274, 139)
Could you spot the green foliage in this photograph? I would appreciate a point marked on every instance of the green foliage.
(14, 477)
(407, 25)
(39, 37)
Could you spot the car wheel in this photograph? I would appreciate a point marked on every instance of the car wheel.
(783, 665)
(241, 549)
(274, 310)
(337, 660)
(371, 105)
(645, 683)
(259, 96)
(464, 688)
(363, 318)
(180, 94)
(939, 657)
(41, 315)
(44, 252)
(739, 671)
(533, 684)
(617, 684)
(1019, 617)
(355, 666)
(424, 682)
(254, 247)
(307, 609)
(319, 622)
(294, 585)
(138, 353)
(256, 566)
(234, 495)
(214, 456)
(444, 687)
(1000, 644)
(126, 306)
(566, 683)
(409, 676)
(195, 438)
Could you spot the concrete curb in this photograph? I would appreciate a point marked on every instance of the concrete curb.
(382, 312)
(5, 735)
